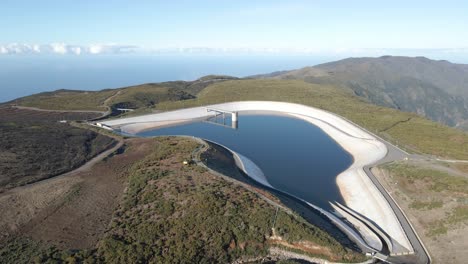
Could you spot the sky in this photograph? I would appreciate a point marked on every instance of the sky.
(70, 26)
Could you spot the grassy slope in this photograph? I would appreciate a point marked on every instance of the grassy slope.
(171, 211)
(435, 89)
(139, 96)
(147, 95)
(407, 129)
(68, 100)
(29, 153)
(131, 97)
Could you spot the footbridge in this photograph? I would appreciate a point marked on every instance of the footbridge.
(223, 113)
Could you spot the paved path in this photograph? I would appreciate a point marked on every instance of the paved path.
(394, 154)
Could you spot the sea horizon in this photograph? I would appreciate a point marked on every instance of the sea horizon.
(91, 72)
(49, 73)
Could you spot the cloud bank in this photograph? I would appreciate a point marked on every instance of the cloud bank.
(66, 49)
(116, 49)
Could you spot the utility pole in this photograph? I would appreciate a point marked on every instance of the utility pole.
(274, 222)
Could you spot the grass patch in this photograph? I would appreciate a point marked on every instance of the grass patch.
(463, 167)
(147, 95)
(437, 181)
(73, 193)
(419, 205)
(436, 229)
(68, 100)
(457, 217)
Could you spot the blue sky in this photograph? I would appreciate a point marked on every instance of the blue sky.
(316, 25)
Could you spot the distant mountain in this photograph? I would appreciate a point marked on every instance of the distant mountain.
(435, 89)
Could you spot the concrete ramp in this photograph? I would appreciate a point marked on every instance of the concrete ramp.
(369, 236)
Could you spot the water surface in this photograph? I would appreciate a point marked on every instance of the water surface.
(295, 156)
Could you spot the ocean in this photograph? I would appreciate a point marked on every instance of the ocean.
(22, 75)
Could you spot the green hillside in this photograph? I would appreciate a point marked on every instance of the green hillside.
(135, 97)
(437, 90)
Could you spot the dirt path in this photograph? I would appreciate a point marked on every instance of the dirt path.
(103, 113)
(434, 164)
(106, 102)
(60, 111)
(87, 166)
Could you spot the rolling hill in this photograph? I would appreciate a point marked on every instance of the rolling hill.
(437, 90)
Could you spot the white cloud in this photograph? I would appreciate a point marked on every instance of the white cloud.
(36, 48)
(64, 49)
(111, 49)
(76, 50)
(59, 48)
(95, 49)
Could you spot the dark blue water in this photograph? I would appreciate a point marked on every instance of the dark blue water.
(294, 155)
(22, 75)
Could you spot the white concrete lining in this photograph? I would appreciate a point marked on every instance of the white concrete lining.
(247, 166)
(255, 173)
(358, 191)
(367, 234)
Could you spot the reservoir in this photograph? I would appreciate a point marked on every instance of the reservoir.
(295, 156)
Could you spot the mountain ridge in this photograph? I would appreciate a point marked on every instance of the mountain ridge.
(435, 89)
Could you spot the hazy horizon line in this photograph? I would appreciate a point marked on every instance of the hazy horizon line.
(116, 49)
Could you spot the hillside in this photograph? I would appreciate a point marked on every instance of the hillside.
(143, 205)
(437, 90)
(133, 97)
(36, 146)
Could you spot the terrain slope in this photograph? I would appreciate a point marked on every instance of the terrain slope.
(437, 90)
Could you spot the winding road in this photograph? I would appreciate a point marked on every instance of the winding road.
(421, 255)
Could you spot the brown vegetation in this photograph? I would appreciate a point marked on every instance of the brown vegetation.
(36, 146)
(435, 201)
